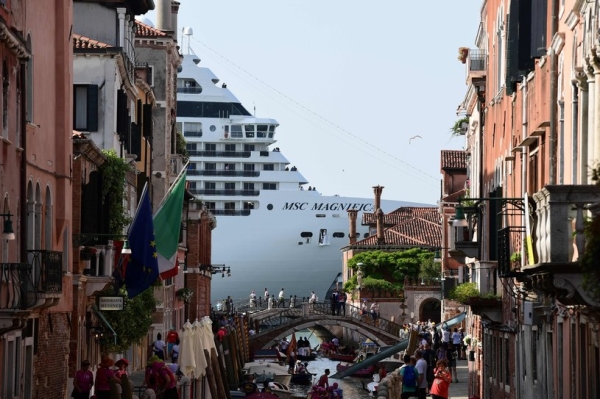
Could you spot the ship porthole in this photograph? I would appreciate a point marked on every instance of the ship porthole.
(213, 128)
(270, 207)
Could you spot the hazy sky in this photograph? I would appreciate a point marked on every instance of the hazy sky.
(350, 82)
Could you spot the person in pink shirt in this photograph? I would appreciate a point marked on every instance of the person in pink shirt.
(167, 382)
(83, 381)
(103, 376)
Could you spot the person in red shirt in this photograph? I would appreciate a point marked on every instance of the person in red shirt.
(172, 337)
(103, 376)
(221, 333)
(324, 380)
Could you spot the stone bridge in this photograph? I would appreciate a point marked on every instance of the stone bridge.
(271, 325)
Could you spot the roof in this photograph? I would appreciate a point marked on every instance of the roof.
(453, 159)
(144, 30)
(416, 227)
(399, 215)
(82, 42)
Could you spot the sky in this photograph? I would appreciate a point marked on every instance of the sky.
(365, 92)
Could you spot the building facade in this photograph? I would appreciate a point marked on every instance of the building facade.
(532, 144)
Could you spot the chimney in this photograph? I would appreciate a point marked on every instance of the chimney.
(174, 12)
(352, 213)
(377, 190)
(380, 236)
(163, 15)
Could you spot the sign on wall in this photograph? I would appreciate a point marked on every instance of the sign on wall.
(111, 302)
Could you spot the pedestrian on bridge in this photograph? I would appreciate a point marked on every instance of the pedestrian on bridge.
(334, 302)
(342, 303)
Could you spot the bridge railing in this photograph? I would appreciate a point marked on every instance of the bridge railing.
(288, 315)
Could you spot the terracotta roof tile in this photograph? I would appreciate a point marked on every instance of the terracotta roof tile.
(416, 227)
(144, 30)
(454, 159)
(82, 42)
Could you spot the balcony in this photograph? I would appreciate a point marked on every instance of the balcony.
(227, 173)
(559, 242)
(477, 65)
(220, 154)
(206, 191)
(26, 285)
(510, 241)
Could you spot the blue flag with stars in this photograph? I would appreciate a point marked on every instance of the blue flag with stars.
(142, 266)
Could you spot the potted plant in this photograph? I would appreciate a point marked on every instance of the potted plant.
(185, 294)
(515, 259)
(460, 127)
(463, 53)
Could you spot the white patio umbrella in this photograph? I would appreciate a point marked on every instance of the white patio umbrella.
(200, 369)
(208, 338)
(187, 361)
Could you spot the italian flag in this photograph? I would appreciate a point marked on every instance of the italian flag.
(167, 224)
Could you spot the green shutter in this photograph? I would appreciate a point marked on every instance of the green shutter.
(92, 108)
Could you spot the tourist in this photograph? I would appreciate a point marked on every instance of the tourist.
(175, 352)
(409, 376)
(324, 379)
(229, 305)
(266, 295)
(421, 366)
(252, 299)
(451, 356)
(446, 337)
(281, 301)
(337, 392)
(342, 303)
(429, 356)
(121, 366)
(221, 333)
(312, 299)
(283, 345)
(172, 336)
(375, 312)
(104, 375)
(457, 341)
(441, 382)
(166, 381)
(269, 302)
(83, 381)
(334, 300)
(158, 347)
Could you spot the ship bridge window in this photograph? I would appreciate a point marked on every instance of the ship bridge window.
(194, 109)
(271, 131)
(192, 129)
(323, 237)
(249, 129)
(261, 131)
(188, 86)
(236, 131)
(337, 234)
(269, 186)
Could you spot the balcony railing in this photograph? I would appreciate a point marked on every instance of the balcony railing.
(230, 173)
(230, 212)
(477, 60)
(46, 270)
(224, 154)
(16, 281)
(251, 193)
(189, 90)
(510, 241)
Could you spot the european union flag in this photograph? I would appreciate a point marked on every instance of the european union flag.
(142, 267)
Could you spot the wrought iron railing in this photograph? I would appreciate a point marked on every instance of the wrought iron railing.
(46, 270)
(16, 284)
(510, 240)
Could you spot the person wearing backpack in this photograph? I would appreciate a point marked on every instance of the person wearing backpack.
(409, 376)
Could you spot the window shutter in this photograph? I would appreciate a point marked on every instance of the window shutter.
(92, 108)
(512, 48)
(539, 16)
(136, 141)
(147, 122)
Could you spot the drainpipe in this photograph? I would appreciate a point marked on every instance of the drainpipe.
(582, 108)
(23, 182)
(552, 149)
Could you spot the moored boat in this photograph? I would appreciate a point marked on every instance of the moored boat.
(366, 372)
(341, 357)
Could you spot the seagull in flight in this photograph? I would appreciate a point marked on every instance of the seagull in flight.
(414, 137)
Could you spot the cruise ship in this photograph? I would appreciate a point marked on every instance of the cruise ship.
(273, 230)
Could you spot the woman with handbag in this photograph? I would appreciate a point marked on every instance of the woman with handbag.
(441, 381)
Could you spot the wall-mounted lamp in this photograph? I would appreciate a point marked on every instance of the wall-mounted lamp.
(7, 231)
(459, 218)
(126, 249)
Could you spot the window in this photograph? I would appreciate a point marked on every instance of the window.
(229, 186)
(210, 166)
(230, 208)
(192, 129)
(211, 206)
(338, 235)
(323, 237)
(261, 131)
(230, 147)
(191, 146)
(249, 167)
(236, 131)
(269, 166)
(249, 186)
(229, 166)
(248, 205)
(271, 131)
(249, 147)
(85, 108)
(210, 185)
(249, 129)
(210, 147)
(150, 75)
(269, 186)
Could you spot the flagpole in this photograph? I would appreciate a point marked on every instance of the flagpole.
(138, 207)
(173, 185)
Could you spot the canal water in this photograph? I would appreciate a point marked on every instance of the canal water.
(352, 387)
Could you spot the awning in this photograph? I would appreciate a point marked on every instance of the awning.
(103, 318)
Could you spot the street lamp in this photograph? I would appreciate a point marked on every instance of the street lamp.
(7, 231)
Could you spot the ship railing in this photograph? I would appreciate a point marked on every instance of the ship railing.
(231, 173)
(220, 154)
(189, 90)
(208, 191)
